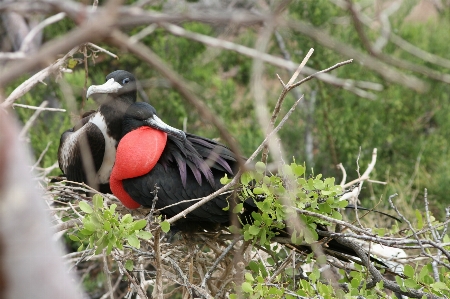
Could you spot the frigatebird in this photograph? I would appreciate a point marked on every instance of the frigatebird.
(178, 167)
(95, 137)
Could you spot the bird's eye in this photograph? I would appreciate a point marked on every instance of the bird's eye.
(126, 80)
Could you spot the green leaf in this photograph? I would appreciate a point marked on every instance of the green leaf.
(336, 215)
(423, 273)
(342, 204)
(238, 208)
(254, 230)
(90, 226)
(112, 208)
(439, 286)
(246, 178)
(225, 180)
(74, 238)
(411, 283)
(408, 271)
(318, 184)
(247, 236)
(134, 241)
(262, 240)
(126, 219)
(107, 225)
(258, 190)
(314, 275)
(140, 224)
(399, 281)
(144, 235)
(165, 226)
(97, 200)
(85, 207)
(355, 282)
(249, 277)
(71, 63)
(129, 265)
(86, 232)
(247, 287)
(260, 167)
(298, 170)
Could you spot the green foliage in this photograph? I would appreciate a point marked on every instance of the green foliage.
(103, 228)
(277, 197)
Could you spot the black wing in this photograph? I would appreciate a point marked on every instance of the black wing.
(69, 151)
(187, 169)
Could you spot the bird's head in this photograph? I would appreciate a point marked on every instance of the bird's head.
(142, 114)
(119, 85)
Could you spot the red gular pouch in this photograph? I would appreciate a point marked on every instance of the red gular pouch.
(137, 154)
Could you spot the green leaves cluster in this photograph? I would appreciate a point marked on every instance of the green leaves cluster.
(104, 228)
(424, 279)
(279, 196)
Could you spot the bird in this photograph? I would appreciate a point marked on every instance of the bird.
(87, 151)
(174, 166)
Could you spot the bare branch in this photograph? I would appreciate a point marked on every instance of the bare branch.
(39, 108)
(374, 64)
(32, 119)
(33, 32)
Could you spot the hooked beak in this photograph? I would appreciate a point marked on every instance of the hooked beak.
(156, 123)
(110, 86)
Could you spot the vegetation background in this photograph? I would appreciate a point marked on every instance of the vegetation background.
(409, 126)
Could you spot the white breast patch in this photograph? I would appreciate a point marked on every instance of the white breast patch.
(110, 150)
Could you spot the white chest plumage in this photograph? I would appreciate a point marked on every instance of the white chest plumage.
(110, 149)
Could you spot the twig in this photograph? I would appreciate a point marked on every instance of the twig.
(369, 62)
(282, 96)
(100, 49)
(35, 79)
(389, 59)
(366, 173)
(419, 241)
(143, 33)
(157, 288)
(427, 215)
(66, 225)
(152, 210)
(38, 108)
(316, 75)
(136, 285)
(376, 275)
(217, 261)
(93, 29)
(31, 120)
(107, 274)
(180, 273)
(33, 32)
(41, 156)
(282, 266)
(344, 174)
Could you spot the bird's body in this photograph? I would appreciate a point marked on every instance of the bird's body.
(177, 169)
